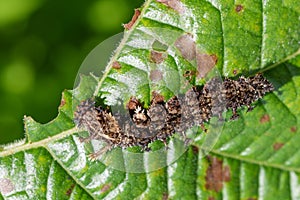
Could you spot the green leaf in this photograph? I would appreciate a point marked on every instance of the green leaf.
(255, 157)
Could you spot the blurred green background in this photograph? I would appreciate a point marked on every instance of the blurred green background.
(42, 45)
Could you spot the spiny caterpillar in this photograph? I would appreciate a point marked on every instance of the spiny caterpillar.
(140, 126)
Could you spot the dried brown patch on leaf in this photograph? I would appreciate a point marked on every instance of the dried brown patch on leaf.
(216, 174)
(156, 75)
(205, 63)
(239, 8)
(136, 15)
(105, 188)
(174, 4)
(264, 119)
(252, 198)
(277, 146)
(187, 46)
(211, 198)
(293, 129)
(6, 186)
(157, 57)
(116, 65)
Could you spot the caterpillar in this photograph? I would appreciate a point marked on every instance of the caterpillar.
(162, 119)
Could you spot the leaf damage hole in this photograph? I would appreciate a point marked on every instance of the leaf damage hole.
(216, 174)
(136, 15)
(6, 186)
(142, 124)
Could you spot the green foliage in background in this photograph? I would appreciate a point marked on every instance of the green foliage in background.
(256, 156)
(42, 45)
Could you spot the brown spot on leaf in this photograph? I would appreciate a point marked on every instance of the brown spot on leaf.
(105, 188)
(136, 15)
(156, 75)
(235, 71)
(6, 186)
(69, 191)
(226, 174)
(189, 74)
(252, 198)
(277, 146)
(216, 174)
(264, 119)
(195, 149)
(205, 63)
(116, 65)
(157, 98)
(62, 102)
(157, 57)
(165, 196)
(187, 47)
(293, 129)
(211, 198)
(173, 4)
(239, 8)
